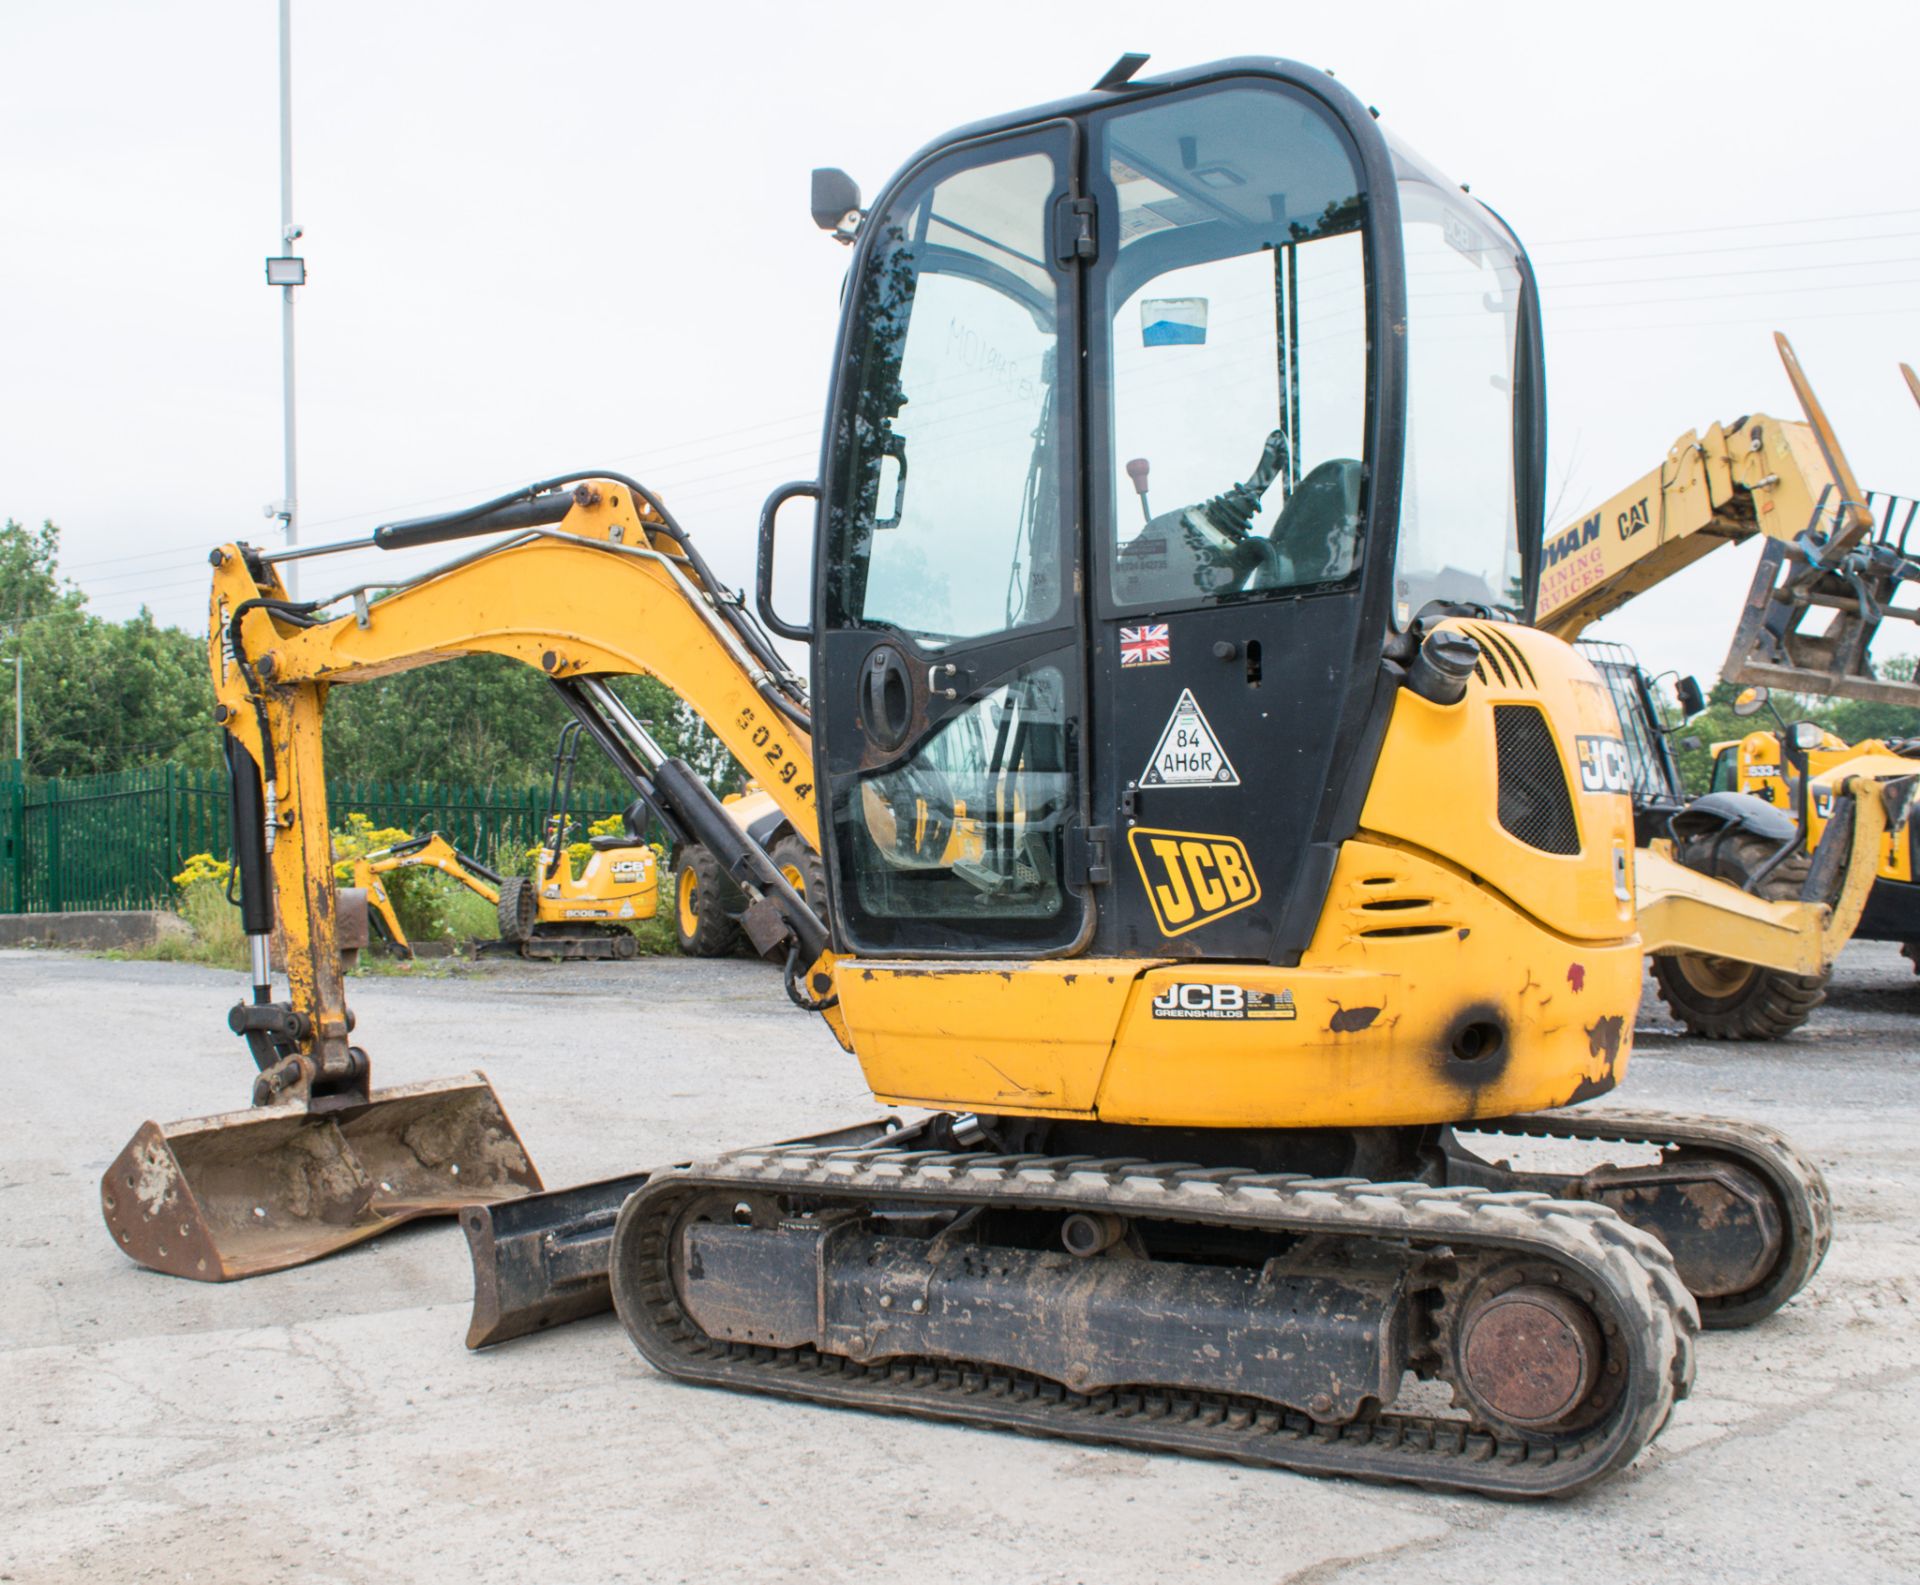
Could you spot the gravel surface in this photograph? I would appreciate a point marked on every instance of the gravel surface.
(326, 1425)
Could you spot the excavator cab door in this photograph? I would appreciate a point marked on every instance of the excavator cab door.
(950, 684)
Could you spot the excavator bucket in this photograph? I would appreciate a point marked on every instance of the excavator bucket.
(241, 1193)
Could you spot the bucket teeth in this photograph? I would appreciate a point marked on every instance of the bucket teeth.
(241, 1193)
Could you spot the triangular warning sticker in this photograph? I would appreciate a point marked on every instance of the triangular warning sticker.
(1189, 754)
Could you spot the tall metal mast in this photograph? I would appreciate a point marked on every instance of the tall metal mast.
(287, 271)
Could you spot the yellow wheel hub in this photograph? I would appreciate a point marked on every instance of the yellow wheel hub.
(1716, 977)
(796, 877)
(688, 900)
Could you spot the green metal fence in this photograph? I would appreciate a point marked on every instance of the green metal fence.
(117, 840)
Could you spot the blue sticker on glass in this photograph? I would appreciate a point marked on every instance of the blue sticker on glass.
(1173, 322)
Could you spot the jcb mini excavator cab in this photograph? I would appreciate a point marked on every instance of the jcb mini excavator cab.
(1182, 469)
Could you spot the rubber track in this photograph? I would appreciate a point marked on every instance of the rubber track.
(1798, 1186)
(1631, 1270)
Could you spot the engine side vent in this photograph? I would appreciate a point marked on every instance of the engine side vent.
(1535, 805)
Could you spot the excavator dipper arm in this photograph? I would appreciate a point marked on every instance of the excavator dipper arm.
(594, 584)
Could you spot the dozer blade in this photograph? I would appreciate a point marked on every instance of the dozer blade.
(241, 1193)
(540, 1261)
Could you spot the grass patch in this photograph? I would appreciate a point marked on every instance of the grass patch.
(217, 939)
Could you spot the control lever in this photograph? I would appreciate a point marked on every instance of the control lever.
(1137, 471)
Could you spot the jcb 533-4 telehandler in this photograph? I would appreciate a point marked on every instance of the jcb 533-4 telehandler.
(1188, 872)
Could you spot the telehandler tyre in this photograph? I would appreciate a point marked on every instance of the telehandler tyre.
(699, 906)
(519, 908)
(803, 869)
(1723, 998)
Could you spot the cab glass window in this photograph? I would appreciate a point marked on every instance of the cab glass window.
(1235, 318)
(1459, 537)
(946, 522)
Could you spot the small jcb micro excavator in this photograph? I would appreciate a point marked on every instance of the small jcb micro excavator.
(431, 850)
(1287, 857)
(553, 913)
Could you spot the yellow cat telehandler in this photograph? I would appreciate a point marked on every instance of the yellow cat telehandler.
(1203, 875)
(1832, 574)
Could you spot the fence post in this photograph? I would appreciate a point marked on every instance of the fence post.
(17, 824)
(54, 854)
(170, 852)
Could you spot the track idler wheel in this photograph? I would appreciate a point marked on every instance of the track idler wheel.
(1530, 1356)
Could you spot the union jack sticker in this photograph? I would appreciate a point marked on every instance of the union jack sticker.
(1145, 646)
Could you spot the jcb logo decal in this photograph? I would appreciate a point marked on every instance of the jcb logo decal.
(1604, 766)
(1192, 878)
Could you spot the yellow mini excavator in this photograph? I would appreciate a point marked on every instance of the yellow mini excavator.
(431, 851)
(1204, 870)
(555, 913)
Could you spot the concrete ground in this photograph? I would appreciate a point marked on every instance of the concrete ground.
(326, 1424)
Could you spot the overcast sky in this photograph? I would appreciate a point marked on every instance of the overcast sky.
(575, 235)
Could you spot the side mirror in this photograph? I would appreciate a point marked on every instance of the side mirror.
(836, 203)
(1750, 701)
(1686, 691)
(763, 580)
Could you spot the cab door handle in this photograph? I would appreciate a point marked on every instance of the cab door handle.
(887, 697)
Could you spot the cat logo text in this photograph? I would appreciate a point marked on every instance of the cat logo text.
(1192, 877)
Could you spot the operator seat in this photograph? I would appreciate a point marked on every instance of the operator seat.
(1317, 537)
(634, 819)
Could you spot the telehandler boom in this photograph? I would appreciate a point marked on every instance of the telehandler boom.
(1196, 875)
(1832, 549)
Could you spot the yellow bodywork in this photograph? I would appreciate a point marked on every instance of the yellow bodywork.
(1682, 910)
(1760, 770)
(1492, 979)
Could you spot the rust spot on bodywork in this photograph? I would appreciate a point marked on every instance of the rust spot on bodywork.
(1603, 1038)
(1350, 1020)
(1463, 932)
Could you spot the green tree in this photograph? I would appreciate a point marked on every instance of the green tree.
(490, 722)
(29, 579)
(100, 695)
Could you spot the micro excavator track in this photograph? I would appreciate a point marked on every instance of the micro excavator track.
(1747, 1216)
(885, 1279)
